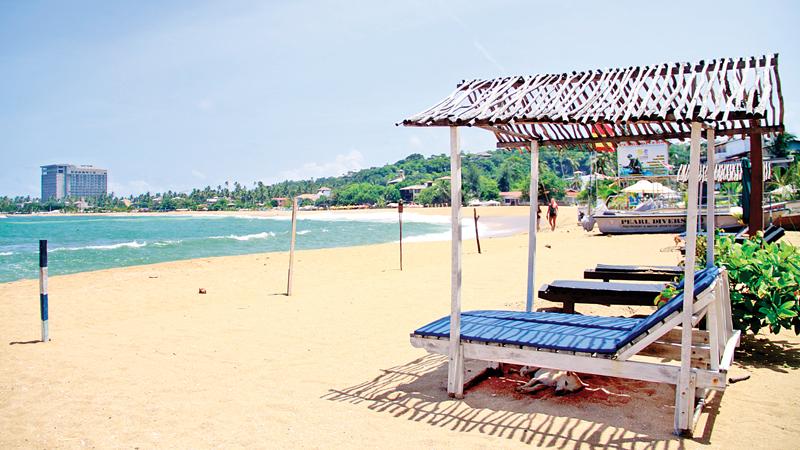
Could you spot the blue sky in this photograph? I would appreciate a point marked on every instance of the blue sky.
(182, 94)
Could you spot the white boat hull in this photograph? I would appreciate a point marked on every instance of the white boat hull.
(639, 223)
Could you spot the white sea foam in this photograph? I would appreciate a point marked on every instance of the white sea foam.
(246, 237)
(167, 242)
(6, 253)
(132, 244)
(302, 232)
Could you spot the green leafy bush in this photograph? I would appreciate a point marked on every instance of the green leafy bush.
(764, 281)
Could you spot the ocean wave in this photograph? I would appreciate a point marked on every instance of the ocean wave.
(6, 253)
(167, 242)
(246, 237)
(132, 244)
(302, 232)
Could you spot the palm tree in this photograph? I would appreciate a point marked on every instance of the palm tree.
(779, 145)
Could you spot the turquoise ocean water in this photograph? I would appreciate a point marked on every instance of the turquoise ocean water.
(83, 243)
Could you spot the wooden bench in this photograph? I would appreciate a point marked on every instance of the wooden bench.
(607, 272)
(570, 292)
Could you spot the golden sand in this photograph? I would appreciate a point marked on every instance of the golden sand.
(139, 359)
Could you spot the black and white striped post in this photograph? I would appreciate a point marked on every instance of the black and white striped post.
(43, 289)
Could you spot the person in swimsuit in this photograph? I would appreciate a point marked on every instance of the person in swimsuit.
(552, 213)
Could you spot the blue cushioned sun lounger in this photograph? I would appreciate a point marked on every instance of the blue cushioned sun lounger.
(610, 346)
(558, 331)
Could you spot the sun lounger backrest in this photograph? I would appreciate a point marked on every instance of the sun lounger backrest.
(702, 280)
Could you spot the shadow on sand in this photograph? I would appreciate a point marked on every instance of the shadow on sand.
(763, 353)
(610, 413)
(25, 342)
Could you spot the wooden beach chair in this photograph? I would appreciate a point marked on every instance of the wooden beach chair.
(607, 346)
(571, 292)
(608, 272)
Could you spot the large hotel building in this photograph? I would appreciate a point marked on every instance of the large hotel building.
(65, 180)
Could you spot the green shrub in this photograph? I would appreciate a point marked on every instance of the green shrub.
(764, 281)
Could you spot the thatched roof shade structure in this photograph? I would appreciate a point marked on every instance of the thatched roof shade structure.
(727, 96)
(614, 105)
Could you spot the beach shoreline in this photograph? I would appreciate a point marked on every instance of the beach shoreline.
(139, 358)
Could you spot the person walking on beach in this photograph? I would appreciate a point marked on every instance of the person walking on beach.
(538, 215)
(552, 213)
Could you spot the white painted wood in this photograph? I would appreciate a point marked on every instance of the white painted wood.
(710, 182)
(730, 346)
(455, 373)
(651, 337)
(534, 196)
(684, 393)
(712, 323)
(635, 370)
(291, 248)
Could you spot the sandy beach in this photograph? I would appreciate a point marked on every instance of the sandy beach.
(139, 359)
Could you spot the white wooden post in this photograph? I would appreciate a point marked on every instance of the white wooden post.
(534, 195)
(684, 391)
(711, 166)
(291, 248)
(455, 372)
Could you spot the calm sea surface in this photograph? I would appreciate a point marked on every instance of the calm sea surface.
(83, 243)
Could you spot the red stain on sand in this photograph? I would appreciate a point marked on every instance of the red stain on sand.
(598, 389)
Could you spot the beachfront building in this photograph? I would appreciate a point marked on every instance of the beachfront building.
(66, 180)
(511, 198)
(324, 192)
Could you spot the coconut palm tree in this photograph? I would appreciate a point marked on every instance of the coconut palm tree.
(779, 145)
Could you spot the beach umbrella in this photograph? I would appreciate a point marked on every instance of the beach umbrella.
(659, 188)
(640, 187)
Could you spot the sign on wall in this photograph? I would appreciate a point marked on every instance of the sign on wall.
(643, 160)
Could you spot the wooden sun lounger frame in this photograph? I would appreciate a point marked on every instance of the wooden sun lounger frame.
(711, 352)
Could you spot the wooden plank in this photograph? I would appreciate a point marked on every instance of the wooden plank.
(455, 374)
(601, 293)
(699, 337)
(757, 184)
(534, 197)
(290, 281)
(684, 391)
(672, 351)
(710, 207)
(607, 275)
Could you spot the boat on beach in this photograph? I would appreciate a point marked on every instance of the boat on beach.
(655, 221)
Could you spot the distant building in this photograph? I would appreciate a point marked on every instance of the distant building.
(511, 198)
(66, 180)
(400, 178)
(324, 191)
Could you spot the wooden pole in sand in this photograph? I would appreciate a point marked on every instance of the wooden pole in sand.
(711, 181)
(534, 196)
(477, 238)
(43, 309)
(291, 247)
(455, 367)
(400, 218)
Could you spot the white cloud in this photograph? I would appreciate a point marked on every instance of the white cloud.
(343, 163)
(199, 175)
